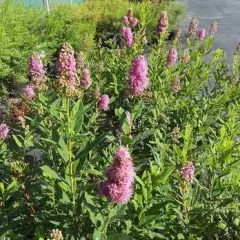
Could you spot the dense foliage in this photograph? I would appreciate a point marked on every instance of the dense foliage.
(68, 148)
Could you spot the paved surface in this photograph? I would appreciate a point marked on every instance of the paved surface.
(227, 14)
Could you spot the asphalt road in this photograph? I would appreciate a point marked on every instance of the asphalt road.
(225, 12)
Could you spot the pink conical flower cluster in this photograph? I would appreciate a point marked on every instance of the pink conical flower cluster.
(29, 92)
(120, 178)
(201, 34)
(138, 79)
(36, 68)
(66, 69)
(187, 172)
(4, 130)
(172, 56)
(86, 79)
(129, 19)
(103, 102)
(163, 22)
(213, 28)
(193, 28)
(127, 35)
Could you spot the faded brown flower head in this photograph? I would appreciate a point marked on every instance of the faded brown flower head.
(80, 63)
(213, 28)
(118, 133)
(130, 13)
(100, 67)
(163, 22)
(56, 234)
(193, 28)
(176, 86)
(178, 34)
(19, 168)
(238, 50)
(176, 135)
(96, 92)
(18, 111)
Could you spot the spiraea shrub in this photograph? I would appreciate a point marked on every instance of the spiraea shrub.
(133, 141)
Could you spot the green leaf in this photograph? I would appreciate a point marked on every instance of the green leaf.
(48, 172)
(119, 236)
(76, 107)
(39, 233)
(12, 188)
(225, 202)
(77, 115)
(138, 179)
(17, 141)
(165, 173)
(65, 198)
(81, 156)
(142, 136)
(9, 234)
(225, 173)
(2, 187)
(63, 150)
(126, 127)
(98, 235)
(54, 108)
(119, 112)
(149, 219)
(64, 186)
(78, 122)
(46, 140)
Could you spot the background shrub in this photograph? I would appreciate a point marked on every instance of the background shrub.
(24, 30)
(20, 30)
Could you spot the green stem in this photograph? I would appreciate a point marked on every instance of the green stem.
(185, 207)
(69, 144)
(107, 221)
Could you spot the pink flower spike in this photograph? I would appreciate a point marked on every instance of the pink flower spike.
(103, 103)
(129, 20)
(86, 79)
(213, 28)
(163, 22)
(29, 92)
(4, 130)
(127, 36)
(66, 69)
(134, 22)
(201, 34)
(138, 80)
(36, 68)
(125, 20)
(122, 154)
(172, 56)
(192, 30)
(118, 187)
(187, 172)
